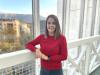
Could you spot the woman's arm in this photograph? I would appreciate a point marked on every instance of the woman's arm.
(39, 54)
(31, 45)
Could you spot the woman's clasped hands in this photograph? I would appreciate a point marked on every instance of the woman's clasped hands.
(39, 54)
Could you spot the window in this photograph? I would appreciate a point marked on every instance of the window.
(46, 8)
(9, 26)
(15, 14)
(80, 18)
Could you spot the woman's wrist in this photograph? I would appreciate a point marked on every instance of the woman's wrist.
(44, 57)
(48, 58)
(38, 53)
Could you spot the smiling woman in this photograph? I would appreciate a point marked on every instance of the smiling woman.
(53, 47)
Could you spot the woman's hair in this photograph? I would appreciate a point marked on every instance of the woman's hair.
(57, 30)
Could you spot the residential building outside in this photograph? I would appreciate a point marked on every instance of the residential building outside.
(11, 31)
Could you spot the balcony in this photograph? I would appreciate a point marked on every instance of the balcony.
(78, 19)
(83, 59)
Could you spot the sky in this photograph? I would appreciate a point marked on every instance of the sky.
(25, 7)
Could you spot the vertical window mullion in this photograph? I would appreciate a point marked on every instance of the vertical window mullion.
(36, 18)
(64, 17)
(86, 18)
(99, 17)
(82, 8)
(93, 17)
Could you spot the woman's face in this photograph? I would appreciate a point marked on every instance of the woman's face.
(51, 27)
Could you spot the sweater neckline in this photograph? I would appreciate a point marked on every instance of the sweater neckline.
(51, 36)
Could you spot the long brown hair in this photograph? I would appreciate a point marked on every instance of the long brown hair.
(57, 30)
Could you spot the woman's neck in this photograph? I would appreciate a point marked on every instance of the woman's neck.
(51, 34)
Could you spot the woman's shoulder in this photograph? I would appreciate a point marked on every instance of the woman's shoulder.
(62, 36)
(41, 36)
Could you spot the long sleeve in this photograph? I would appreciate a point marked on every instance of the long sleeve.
(63, 51)
(31, 45)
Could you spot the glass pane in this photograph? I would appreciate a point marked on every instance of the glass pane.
(74, 24)
(90, 3)
(15, 24)
(46, 8)
(75, 4)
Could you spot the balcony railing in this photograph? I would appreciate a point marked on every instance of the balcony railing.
(17, 63)
(87, 58)
(83, 58)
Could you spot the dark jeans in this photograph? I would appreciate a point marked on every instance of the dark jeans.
(51, 72)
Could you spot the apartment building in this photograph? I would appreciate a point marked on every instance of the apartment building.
(10, 31)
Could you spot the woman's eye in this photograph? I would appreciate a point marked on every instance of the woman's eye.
(48, 22)
(53, 22)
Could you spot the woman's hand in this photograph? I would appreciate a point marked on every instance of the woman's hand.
(38, 53)
(43, 56)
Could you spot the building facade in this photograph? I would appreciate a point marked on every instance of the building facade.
(10, 33)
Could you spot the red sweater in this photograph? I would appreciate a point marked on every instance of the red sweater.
(56, 49)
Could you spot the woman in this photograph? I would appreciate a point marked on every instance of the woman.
(53, 48)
